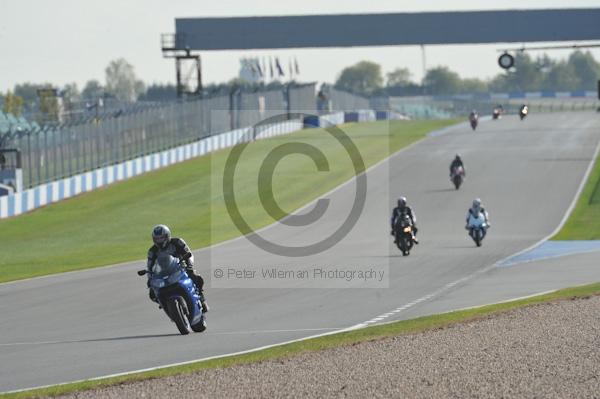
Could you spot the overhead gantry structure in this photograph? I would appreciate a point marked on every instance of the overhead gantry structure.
(392, 29)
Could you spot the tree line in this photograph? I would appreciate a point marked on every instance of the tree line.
(121, 83)
(580, 71)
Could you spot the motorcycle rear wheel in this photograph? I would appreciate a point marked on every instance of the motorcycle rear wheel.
(200, 326)
(404, 245)
(457, 182)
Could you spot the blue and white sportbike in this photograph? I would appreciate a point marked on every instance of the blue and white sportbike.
(176, 294)
(477, 226)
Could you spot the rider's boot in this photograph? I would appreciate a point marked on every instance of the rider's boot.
(205, 307)
(203, 303)
(199, 284)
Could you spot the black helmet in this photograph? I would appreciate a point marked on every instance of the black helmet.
(457, 157)
(402, 202)
(161, 235)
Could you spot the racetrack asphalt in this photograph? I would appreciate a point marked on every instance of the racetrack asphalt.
(98, 322)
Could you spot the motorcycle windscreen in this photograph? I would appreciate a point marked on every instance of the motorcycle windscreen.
(165, 265)
(476, 220)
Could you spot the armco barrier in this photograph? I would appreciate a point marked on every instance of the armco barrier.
(337, 118)
(364, 115)
(44, 194)
(516, 95)
(311, 121)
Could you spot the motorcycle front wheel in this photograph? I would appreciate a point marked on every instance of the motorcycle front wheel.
(478, 238)
(457, 182)
(178, 312)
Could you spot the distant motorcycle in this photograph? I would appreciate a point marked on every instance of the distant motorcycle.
(457, 176)
(474, 122)
(404, 234)
(176, 294)
(523, 111)
(496, 113)
(477, 227)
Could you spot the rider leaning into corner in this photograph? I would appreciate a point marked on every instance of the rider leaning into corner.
(475, 209)
(176, 247)
(404, 208)
(456, 162)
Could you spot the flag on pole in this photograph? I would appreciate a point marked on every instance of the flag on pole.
(258, 68)
(296, 66)
(250, 63)
(271, 67)
(279, 68)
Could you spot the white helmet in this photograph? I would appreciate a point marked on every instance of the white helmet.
(476, 203)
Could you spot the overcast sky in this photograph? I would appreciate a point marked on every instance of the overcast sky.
(61, 41)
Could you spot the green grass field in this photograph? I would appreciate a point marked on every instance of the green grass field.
(412, 326)
(584, 222)
(113, 224)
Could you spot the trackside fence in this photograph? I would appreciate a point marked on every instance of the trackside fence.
(52, 152)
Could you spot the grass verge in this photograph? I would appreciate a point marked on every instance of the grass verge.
(584, 221)
(112, 224)
(342, 339)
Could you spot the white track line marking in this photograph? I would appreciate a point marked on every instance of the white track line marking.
(424, 298)
(504, 301)
(544, 258)
(75, 341)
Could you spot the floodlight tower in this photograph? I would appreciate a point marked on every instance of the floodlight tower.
(170, 49)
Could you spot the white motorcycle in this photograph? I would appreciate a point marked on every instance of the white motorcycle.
(523, 112)
(477, 226)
